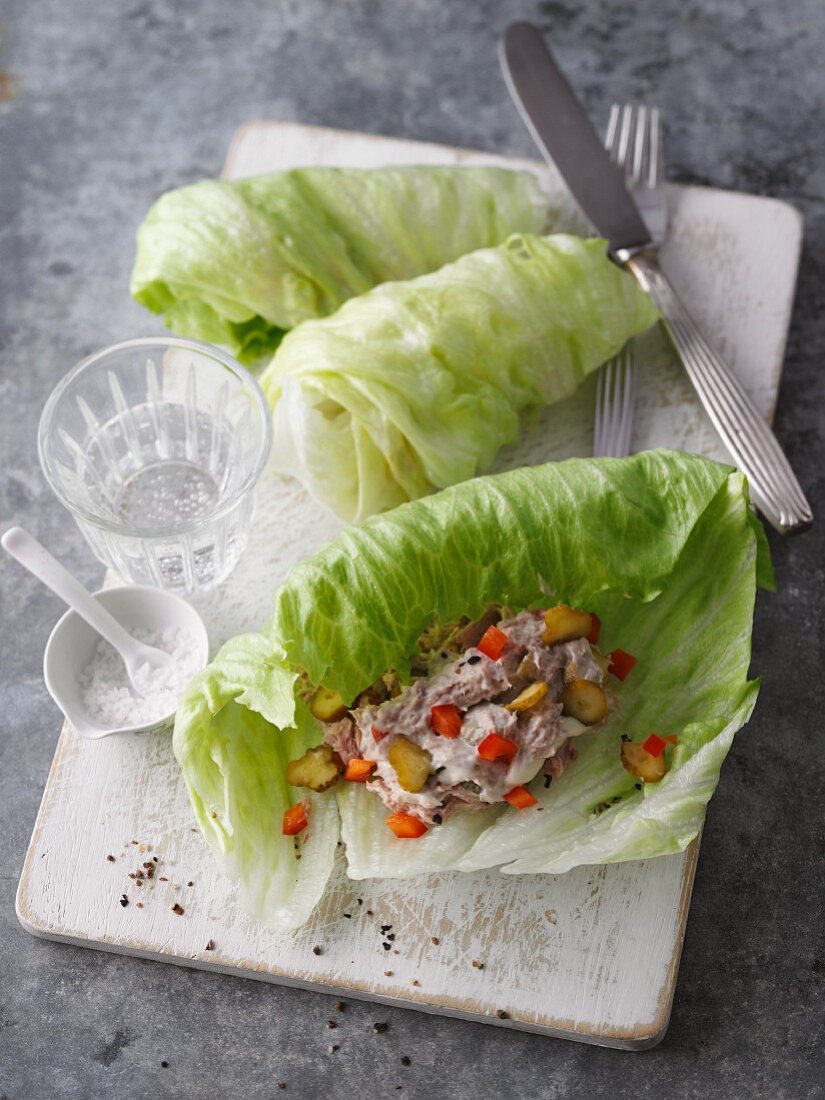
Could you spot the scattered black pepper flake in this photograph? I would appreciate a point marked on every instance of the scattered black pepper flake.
(625, 737)
(386, 946)
(391, 937)
(317, 950)
(334, 1048)
(548, 779)
(210, 946)
(638, 786)
(298, 856)
(190, 883)
(616, 798)
(416, 982)
(434, 940)
(406, 1060)
(177, 908)
(133, 842)
(379, 1026)
(132, 874)
(474, 659)
(146, 865)
(110, 859)
(360, 901)
(155, 858)
(348, 916)
(331, 1023)
(339, 1006)
(386, 927)
(162, 878)
(502, 1015)
(164, 1065)
(369, 913)
(124, 901)
(437, 819)
(282, 1084)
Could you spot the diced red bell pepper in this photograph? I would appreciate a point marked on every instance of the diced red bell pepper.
(492, 642)
(655, 745)
(378, 734)
(446, 719)
(521, 798)
(295, 819)
(494, 747)
(406, 827)
(621, 664)
(595, 629)
(359, 771)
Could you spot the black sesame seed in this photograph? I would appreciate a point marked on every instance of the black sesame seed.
(316, 950)
(406, 1060)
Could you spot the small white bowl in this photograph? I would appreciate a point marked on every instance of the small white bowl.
(72, 643)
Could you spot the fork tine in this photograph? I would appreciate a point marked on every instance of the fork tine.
(612, 133)
(641, 146)
(654, 173)
(625, 136)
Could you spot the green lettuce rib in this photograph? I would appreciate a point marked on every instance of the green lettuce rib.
(240, 262)
(663, 546)
(416, 385)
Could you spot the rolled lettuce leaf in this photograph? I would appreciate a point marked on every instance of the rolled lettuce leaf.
(663, 546)
(416, 385)
(240, 262)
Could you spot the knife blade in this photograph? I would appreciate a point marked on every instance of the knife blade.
(567, 139)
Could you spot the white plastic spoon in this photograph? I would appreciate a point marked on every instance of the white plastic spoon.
(30, 553)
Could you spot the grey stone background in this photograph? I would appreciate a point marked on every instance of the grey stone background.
(106, 103)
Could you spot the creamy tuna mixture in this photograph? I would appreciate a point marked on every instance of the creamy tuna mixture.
(479, 687)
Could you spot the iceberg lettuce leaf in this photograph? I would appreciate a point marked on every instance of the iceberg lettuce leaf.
(663, 546)
(417, 385)
(238, 263)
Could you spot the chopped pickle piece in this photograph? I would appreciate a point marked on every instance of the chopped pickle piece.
(412, 764)
(529, 697)
(639, 762)
(564, 624)
(586, 701)
(316, 769)
(327, 705)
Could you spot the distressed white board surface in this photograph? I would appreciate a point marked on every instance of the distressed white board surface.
(591, 955)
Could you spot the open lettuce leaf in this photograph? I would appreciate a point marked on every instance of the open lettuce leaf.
(663, 546)
(416, 385)
(240, 262)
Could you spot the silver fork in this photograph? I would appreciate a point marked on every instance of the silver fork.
(634, 141)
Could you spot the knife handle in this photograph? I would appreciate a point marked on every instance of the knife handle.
(746, 434)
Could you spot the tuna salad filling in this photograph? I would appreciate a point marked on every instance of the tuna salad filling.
(491, 706)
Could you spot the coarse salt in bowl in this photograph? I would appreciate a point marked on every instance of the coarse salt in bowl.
(88, 680)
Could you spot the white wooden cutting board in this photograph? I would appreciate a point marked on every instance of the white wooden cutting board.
(591, 955)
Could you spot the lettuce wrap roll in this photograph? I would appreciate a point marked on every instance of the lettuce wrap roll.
(415, 386)
(662, 549)
(239, 262)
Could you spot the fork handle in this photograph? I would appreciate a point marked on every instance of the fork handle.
(744, 431)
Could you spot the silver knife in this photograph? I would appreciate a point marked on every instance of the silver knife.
(567, 140)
